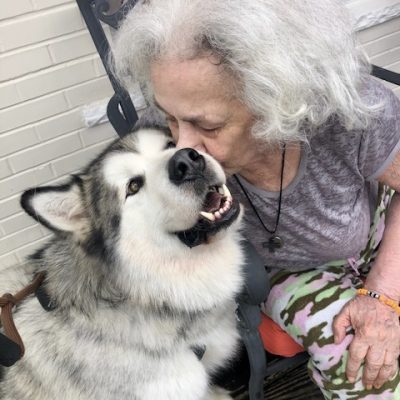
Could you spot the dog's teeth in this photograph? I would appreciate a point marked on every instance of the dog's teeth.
(227, 206)
(208, 216)
(221, 190)
(226, 193)
(217, 215)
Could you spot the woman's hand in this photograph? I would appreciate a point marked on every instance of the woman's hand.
(376, 339)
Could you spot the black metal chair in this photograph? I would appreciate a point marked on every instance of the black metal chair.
(122, 115)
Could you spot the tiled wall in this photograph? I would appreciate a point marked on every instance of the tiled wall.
(49, 70)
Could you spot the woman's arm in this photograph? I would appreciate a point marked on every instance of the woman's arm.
(385, 275)
(376, 340)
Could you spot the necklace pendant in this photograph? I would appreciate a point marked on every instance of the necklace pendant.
(274, 242)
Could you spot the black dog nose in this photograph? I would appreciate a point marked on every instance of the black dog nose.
(185, 165)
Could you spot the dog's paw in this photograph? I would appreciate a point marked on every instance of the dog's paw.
(219, 394)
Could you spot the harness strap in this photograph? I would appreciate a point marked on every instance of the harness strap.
(7, 302)
(249, 318)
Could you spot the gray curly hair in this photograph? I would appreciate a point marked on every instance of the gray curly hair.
(296, 61)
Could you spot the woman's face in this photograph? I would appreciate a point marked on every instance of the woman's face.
(201, 111)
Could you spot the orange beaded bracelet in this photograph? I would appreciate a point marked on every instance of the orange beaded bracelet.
(382, 298)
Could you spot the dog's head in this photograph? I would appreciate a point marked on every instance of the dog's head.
(156, 221)
(141, 193)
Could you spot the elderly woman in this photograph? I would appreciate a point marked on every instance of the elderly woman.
(279, 94)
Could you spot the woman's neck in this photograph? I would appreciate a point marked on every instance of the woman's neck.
(265, 171)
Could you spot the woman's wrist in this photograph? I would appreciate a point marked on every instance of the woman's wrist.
(393, 304)
(383, 285)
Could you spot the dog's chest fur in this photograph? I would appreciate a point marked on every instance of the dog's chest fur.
(116, 348)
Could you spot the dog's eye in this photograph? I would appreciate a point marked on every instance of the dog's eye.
(134, 185)
(170, 145)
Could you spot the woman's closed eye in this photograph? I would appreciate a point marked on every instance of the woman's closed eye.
(210, 131)
(207, 129)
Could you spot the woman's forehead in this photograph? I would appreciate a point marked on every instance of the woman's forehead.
(197, 85)
(191, 77)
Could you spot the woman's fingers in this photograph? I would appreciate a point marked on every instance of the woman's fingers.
(357, 352)
(373, 364)
(388, 369)
(340, 324)
(380, 365)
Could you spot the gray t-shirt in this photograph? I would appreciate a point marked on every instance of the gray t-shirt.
(327, 208)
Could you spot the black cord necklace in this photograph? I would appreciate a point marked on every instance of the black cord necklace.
(275, 241)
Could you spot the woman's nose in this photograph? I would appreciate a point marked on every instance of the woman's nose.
(188, 137)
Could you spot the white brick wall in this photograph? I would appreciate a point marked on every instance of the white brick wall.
(382, 44)
(49, 70)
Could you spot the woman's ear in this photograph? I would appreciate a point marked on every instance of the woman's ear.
(59, 208)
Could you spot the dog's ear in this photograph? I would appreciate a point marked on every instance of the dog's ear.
(59, 208)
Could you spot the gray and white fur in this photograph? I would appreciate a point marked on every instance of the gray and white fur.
(130, 299)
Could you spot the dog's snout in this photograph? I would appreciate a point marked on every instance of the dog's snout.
(186, 165)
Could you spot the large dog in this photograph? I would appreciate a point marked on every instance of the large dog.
(141, 275)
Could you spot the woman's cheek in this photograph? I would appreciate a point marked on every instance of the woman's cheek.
(217, 153)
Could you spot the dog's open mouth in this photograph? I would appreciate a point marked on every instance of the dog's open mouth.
(219, 210)
(217, 203)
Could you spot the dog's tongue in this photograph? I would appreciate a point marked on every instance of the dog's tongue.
(212, 202)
